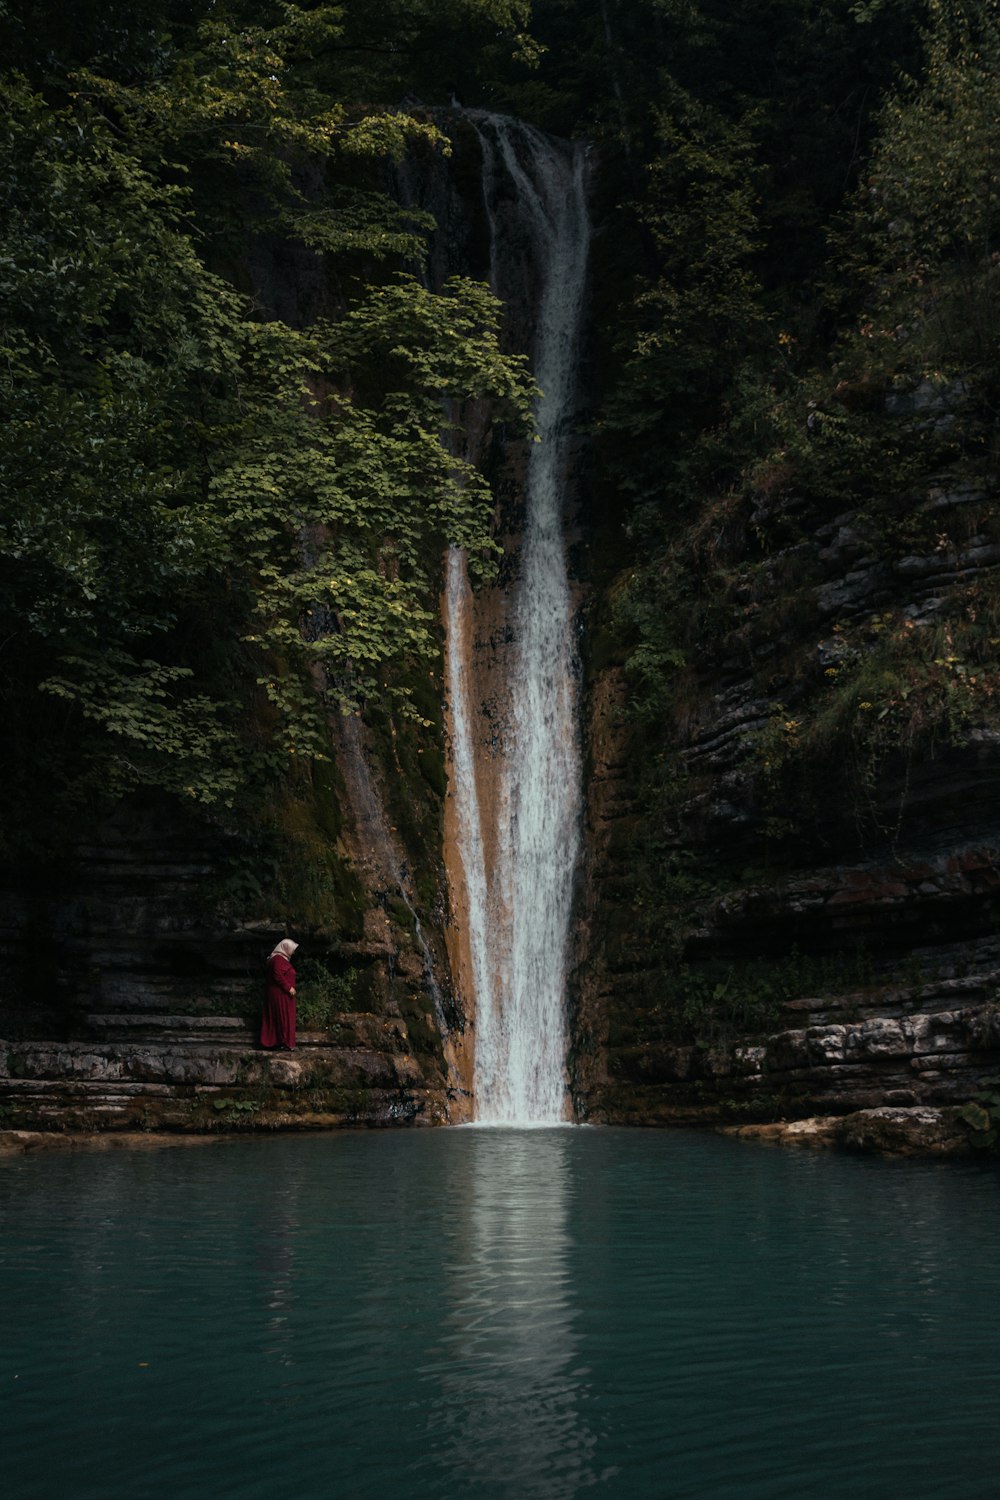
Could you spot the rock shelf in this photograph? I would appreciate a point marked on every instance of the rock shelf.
(205, 1074)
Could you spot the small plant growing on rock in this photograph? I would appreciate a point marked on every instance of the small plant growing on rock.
(323, 997)
(233, 1110)
(982, 1116)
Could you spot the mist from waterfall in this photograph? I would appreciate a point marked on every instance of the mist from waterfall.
(519, 909)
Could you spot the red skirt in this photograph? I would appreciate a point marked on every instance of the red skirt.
(277, 1023)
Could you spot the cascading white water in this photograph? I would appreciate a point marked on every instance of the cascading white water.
(519, 911)
(463, 777)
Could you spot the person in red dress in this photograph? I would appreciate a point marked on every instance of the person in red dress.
(277, 1023)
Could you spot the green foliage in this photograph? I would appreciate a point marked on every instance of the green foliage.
(342, 505)
(897, 690)
(220, 528)
(918, 243)
(432, 45)
(982, 1116)
(690, 325)
(235, 1111)
(929, 193)
(134, 702)
(322, 996)
(873, 411)
(193, 500)
(244, 101)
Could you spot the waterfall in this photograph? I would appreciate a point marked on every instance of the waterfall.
(519, 903)
(463, 776)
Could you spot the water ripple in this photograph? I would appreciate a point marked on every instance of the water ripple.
(498, 1314)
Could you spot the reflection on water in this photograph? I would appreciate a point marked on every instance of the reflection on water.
(509, 1382)
(275, 1240)
(498, 1315)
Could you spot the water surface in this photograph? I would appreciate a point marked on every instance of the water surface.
(498, 1314)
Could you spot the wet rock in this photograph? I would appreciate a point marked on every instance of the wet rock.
(817, 1131)
(904, 1132)
(979, 552)
(787, 1050)
(885, 1130)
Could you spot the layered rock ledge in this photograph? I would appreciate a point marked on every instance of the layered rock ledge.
(876, 1066)
(201, 1075)
(884, 1132)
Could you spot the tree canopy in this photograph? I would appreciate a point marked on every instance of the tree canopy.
(179, 464)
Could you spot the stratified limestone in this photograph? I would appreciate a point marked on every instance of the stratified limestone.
(885, 1132)
(684, 878)
(906, 1132)
(190, 1084)
(882, 1058)
(816, 1132)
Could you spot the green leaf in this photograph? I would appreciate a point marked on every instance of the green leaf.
(975, 1116)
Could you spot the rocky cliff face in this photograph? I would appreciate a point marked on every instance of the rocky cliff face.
(133, 990)
(756, 945)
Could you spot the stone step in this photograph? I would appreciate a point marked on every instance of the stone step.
(235, 1031)
(129, 993)
(227, 1064)
(167, 1027)
(84, 1107)
(85, 1104)
(25, 1088)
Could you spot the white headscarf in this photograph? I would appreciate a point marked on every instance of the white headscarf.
(284, 949)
